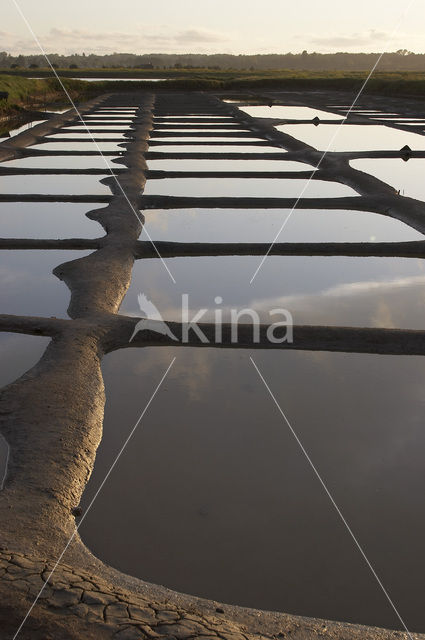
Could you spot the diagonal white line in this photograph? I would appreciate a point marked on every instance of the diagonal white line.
(111, 468)
(334, 504)
(66, 92)
(359, 93)
(6, 463)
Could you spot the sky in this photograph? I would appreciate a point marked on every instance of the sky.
(212, 26)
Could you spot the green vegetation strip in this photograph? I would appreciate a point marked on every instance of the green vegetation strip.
(29, 94)
(22, 89)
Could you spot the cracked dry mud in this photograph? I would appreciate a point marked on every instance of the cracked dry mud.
(52, 416)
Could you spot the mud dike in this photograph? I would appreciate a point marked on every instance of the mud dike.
(51, 417)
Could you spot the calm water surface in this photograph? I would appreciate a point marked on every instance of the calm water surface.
(80, 146)
(57, 184)
(220, 502)
(207, 149)
(354, 137)
(60, 162)
(406, 177)
(122, 79)
(228, 165)
(28, 286)
(47, 220)
(246, 187)
(18, 354)
(262, 225)
(290, 113)
(376, 292)
(84, 134)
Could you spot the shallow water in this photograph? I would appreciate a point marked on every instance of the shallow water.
(227, 140)
(122, 79)
(47, 220)
(246, 187)
(62, 162)
(290, 113)
(227, 165)
(220, 502)
(175, 119)
(18, 353)
(201, 128)
(84, 134)
(354, 137)
(112, 117)
(408, 177)
(130, 111)
(79, 146)
(208, 149)
(400, 120)
(335, 290)
(56, 184)
(262, 225)
(28, 286)
(96, 127)
(197, 125)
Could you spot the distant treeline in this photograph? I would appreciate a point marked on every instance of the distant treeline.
(401, 60)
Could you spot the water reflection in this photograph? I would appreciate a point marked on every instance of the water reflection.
(354, 137)
(203, 128)
(208, 149)
(79, 146)
(61, 162)
(228, 165)
(386, 292)
(225, 139)
(246, 187)
(122, 79)
(220, 502)
(66, 134)
(406, 177)
(262, 225)
(28, 286)
(47, 220)
(113, 111)
(107, 117)
(290, 113)
(18, 354)
(174, 119)
(96, 127)
(57, 184)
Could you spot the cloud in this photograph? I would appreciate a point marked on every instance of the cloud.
(369, 38)
(378, 303)
(199, 35)
(147, 37)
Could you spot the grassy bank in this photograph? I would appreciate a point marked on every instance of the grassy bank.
(395, 83)
(391, 84)
(26, 94)
(29, 93)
